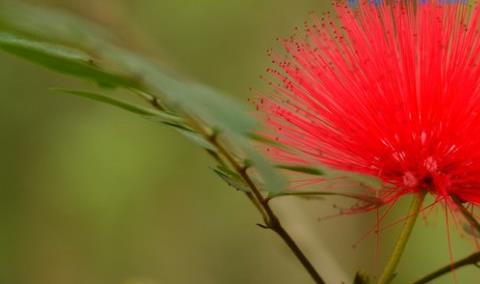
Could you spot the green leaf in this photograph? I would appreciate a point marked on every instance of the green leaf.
(361, 278)
(197, 139)
(114, 102)
(301, 169)
(265, 140)
(231, 178)
(309, 195)
(51, 24)
(62, 59)
(367, 199)
(154, 115)
(273, 181)
(150, 114)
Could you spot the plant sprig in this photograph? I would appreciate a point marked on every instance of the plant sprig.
(195, 110)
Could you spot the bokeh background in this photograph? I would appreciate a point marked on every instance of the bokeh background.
(94, 195)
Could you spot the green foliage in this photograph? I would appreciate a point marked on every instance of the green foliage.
(63, 59)
(302, 169)
(72, 46)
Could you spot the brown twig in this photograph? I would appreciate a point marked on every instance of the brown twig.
(271, 220)
(473, 259)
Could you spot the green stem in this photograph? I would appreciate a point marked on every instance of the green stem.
(389, 270)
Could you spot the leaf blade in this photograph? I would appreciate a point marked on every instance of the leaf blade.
(63, 59)
(301, 169)
(110, 101)
(231, 178)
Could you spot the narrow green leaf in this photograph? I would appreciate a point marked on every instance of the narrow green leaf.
(301, 169)
(196, 138)
(265, 140)
(50, 24)
(302, 195)
(151, 114)
(273, 181)
(154, 115)
(63, 59)
(112, 101)
(367, 199)
(231, 178)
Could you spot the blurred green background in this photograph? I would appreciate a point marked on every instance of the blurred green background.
(94, 195)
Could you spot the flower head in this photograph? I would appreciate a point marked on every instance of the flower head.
(389, 90)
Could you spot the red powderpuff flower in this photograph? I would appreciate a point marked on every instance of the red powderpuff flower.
(388, 90)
